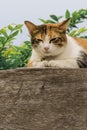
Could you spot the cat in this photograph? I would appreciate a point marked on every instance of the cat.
(52, 47)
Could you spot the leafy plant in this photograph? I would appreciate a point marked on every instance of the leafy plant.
(77, 17)
(12, 56)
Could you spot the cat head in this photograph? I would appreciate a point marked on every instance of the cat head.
(48, 39)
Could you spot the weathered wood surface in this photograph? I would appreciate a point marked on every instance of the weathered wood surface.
(43, 99)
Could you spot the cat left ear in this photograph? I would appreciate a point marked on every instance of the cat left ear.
(31, 27)
(64, 24)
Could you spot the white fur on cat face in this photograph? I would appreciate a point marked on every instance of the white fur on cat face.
(46, 48)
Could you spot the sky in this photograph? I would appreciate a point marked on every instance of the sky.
(17, 11)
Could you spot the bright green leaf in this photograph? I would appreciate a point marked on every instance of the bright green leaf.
(10, 27)
(4, 32)
(72, 33)
(82, 30)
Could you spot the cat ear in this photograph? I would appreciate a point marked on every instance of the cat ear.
(64, 24)
(31, 27)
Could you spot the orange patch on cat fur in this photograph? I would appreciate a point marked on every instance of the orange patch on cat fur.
(82, 42)
(30, 64)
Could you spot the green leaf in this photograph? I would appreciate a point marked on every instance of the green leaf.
(54, 17)
(4, 32)
(82, 30)
(21, 30)
(46, 21)
(3, 39)
(13, 34)
(10, 27)
(1, 45)
(42, 20)
(67, 14)
(72, 33)
(59, 17)
(9, 40)
(18, 27)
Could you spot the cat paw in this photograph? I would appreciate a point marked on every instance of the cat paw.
(53, 63)
(40, 64)
(44, 63)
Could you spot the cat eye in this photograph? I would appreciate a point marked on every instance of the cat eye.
(57, 39)
(39, 40)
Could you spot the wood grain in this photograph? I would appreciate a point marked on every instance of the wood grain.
(43, 99)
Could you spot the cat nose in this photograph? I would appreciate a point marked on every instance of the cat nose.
(46, 48)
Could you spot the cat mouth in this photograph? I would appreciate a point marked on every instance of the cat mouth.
(46, 51)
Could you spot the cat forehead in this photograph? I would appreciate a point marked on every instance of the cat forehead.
(47, 28)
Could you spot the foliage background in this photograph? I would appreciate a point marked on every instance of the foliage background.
(12, 56)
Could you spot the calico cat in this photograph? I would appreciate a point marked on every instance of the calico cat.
(52, 47)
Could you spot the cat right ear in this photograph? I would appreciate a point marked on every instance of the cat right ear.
(31, 27)
(64, 25)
